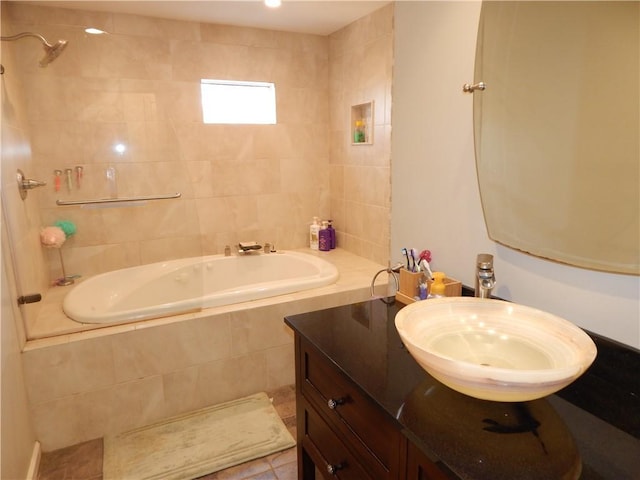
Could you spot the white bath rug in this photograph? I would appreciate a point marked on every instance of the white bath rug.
(197, 443)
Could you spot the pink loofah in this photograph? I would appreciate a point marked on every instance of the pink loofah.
(52, 237)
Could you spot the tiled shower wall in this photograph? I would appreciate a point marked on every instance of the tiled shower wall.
(360, 71)
(139, 85)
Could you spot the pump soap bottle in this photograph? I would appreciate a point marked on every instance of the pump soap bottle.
(314, 237)
(438, 287)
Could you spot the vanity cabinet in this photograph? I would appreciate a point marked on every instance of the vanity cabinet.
(342, 433)
(367, 411)
(420, 467)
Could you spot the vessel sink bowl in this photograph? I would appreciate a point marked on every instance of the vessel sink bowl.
(492, 349)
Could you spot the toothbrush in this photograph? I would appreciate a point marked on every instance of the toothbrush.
(416, 261)
(79, 175)
(67, 173)
(56, 182)
(406, 254)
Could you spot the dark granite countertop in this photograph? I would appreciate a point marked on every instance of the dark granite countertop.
(589, 430)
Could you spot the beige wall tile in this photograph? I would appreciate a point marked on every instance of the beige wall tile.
(93, 414)
(134, 404)
(258, 329)
(68, 369)
(231, 378)
(162, 249)
(58, 424)
(155, 27)
(181, 391)
(161, 350)
(280, 368)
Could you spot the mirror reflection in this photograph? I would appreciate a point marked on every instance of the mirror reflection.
(557, 130)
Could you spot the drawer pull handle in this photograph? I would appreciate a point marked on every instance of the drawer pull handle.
(333, 403)
(332, 469)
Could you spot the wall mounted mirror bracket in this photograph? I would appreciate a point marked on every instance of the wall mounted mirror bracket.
(470, 88)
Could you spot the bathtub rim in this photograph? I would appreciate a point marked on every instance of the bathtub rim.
(328, 275)
(52, 327)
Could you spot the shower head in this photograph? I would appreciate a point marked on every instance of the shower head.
(51, 52)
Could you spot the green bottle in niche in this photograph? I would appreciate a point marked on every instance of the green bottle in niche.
(358, 133)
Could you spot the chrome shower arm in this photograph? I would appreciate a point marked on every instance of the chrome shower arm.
(18, 36)
(51, 52)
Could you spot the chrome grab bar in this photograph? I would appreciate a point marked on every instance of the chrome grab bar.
(117, 200)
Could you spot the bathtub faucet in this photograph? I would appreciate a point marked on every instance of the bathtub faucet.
(248, 247)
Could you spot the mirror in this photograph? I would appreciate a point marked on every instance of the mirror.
(557, 130)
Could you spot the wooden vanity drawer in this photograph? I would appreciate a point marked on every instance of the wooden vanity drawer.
(327, 451)
(372, 436)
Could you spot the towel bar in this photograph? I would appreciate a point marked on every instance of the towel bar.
(117, 200)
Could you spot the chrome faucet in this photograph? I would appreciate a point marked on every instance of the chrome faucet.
(248, 247)
(485, 276)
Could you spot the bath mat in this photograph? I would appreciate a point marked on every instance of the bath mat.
(197, 443)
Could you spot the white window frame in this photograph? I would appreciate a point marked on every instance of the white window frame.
(238, 102)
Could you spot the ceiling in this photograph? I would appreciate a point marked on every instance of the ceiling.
(321, 17)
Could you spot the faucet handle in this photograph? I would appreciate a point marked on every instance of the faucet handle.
(484, 261)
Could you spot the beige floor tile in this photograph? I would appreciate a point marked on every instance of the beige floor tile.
(288, 471)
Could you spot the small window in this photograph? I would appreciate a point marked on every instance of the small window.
(238, 102)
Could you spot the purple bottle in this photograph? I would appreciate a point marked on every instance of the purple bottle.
(332, 235)
(324, 237)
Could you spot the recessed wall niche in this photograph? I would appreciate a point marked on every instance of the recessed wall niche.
(362, 124)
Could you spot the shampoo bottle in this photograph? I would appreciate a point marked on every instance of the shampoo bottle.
(314, 237)
(332, 235)
(324, 237)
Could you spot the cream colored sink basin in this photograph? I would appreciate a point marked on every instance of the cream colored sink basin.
(494, 350)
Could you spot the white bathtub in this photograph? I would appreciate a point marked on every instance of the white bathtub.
(179, 286)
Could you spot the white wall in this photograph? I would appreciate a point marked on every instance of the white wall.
(435, 198)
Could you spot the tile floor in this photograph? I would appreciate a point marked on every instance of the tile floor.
(84, 461)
